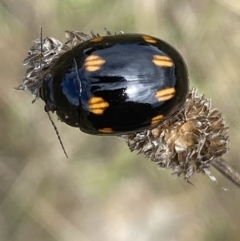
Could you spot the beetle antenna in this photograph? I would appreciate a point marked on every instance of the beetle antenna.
(41, 46)
(50, 118)
(41, 56)
(58, 135)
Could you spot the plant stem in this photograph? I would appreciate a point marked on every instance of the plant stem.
(228, 171)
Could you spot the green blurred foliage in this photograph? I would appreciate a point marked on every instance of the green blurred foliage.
(104, 192)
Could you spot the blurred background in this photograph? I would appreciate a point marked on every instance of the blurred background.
(103, 192)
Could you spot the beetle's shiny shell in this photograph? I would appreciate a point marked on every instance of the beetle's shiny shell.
(117, 84)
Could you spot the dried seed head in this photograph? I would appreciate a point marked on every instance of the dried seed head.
(186, 143)
(41, 57)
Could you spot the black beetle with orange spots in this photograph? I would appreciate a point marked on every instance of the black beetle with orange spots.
(117, 84)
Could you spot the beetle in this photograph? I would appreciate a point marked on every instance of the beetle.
(118, 84)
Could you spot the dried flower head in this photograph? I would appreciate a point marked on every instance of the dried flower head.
(186, 143)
